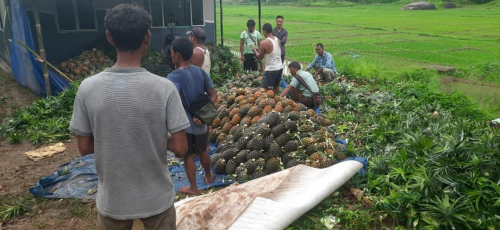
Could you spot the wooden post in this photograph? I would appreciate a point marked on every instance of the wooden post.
(260, 29)
(221, 26)
(42, 48)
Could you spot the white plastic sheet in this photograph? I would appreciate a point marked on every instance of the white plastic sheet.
(271, 202)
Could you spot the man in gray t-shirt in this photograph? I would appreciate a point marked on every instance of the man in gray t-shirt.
(129, 118)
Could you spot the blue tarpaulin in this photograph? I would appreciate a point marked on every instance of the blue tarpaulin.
(27, 70)
(78, 179)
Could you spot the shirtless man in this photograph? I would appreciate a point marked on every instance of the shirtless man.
(270, 49)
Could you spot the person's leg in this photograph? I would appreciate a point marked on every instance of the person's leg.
(254, 63)
(106, 223)
(328, 74)
(316, 68)
(296, 94)
(307, 101)
(200, 141)
(246, 63)
(277, 80)
(190, 167)
(162, 221)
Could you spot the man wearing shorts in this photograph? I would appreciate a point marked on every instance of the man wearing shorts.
(271, 51)
(191, 81)
(129, 118)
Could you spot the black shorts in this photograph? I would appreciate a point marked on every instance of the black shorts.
(272, 78)
(197, 144)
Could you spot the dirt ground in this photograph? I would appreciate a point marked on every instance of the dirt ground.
(18, 173)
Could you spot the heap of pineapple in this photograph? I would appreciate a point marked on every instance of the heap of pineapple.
(259, 133)
(245, 80)
(86, 64)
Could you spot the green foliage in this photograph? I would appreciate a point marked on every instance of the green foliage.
(47, 120)
(10, 210)
(432, 157)
(225, 66)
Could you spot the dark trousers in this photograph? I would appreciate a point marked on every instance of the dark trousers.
(250, 62)
(299, 97)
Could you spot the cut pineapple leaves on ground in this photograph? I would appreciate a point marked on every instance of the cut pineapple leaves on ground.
(433, 157)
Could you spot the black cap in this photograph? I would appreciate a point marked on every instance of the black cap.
(197, 32)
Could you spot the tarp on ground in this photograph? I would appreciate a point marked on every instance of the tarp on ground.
(78, 178)
(27, 70)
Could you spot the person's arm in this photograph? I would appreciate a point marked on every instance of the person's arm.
(313, 63)
(198, 58)
(212, 93)
(259, 39)
(85, 144)
(80, 123)
(262, 51)
(287, 89)
(242, 41)
(176, 122)
(177, 143)
(285, 38)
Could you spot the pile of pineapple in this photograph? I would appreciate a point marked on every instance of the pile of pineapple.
(259, 133)
(86, 64)
(245, 80)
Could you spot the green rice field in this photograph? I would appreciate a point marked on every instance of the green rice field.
(390, 42)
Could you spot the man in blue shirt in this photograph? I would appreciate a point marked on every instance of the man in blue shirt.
(191, 81)
(323, 64)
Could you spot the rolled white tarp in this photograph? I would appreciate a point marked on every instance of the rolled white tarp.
(271, 202)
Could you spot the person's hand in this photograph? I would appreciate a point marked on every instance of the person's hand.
(307, 69)
(197, 121)
(243, 58)
(320, 71)
(254, 49)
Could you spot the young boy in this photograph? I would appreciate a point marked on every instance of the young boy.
(125, 116)
(191, 81)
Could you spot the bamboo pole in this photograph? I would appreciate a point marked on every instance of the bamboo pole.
(260, 17)
(42, 61)
(221, 26)
(41, 48)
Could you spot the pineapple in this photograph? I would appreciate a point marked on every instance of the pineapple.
(231, 166)
(220, 138)
(227, 126)
(241, 157)
(278, 130)
(273, 165)
(214, 158)
(274, 150)
(292, 163)
(224, 121)
(255, 154)
(236, 120)
(233, 112)
(282, 139)
(288, 109)
(290, 146)
(254, 111)
(255, 119)
(246, 121)
(315, 157)
(293, 116)
(212, 137)
(220, 166)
